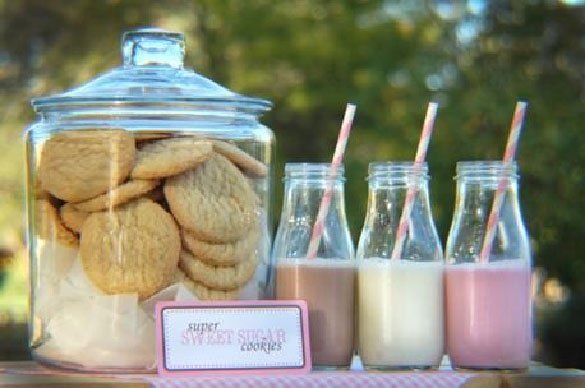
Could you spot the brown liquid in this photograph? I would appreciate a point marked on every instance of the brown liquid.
(329, 293)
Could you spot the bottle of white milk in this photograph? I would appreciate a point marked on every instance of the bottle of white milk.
(400, 299)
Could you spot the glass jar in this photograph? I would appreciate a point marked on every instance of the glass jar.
(400, 301)
(150, 182)
(325, 282)
(488, 304)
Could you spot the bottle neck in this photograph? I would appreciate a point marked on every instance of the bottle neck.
(306, 183)
(390, 184)
(306, 186)
(478, 180)
(483, 187)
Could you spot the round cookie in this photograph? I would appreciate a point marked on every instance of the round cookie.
(157, 195)
(215, 201)
(240, 158)
(205, 293)
(78, 165)
(222, 254)
(72, 218)
(222, 278)
(133, 248)
(38, 190)
(49, 226)
(119, 195)
(169, 157)
(148, 136)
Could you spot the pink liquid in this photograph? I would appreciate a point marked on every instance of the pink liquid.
(488, 316)
(328, 289)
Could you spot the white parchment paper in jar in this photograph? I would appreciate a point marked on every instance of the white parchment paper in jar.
(96, 330)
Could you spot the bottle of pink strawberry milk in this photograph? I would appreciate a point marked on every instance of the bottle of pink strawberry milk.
(488, 294)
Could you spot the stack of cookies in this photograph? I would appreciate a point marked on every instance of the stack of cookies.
(148, 210)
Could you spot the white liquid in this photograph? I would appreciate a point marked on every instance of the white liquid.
(400, 319)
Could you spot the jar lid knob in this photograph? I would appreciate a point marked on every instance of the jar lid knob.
(153, 46)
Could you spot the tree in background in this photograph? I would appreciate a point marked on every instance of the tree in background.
(390, 57)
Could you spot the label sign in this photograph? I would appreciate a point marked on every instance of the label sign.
(235, 336)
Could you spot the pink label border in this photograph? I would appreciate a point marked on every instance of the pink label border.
(301, 304)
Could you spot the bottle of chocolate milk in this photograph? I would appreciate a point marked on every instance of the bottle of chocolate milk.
(325, 282)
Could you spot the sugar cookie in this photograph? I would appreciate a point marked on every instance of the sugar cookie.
(214, 201)
(133, 248)
(169, 157)
(79, 165)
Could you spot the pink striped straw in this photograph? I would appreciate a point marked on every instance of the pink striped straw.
(317, 232)
(420, 157)
(509, 154)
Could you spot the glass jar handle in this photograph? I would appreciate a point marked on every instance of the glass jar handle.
(153, 46)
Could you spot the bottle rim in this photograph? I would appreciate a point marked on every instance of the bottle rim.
(309, 170)
(486, 169)
(398, 170)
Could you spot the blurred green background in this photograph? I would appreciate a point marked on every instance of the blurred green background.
(475, 57)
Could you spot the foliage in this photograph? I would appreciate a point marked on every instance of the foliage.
(310, 57)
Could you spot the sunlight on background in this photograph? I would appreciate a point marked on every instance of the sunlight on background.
(475, 57)
(573, 2)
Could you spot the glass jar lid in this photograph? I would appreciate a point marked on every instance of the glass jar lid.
(152, 74)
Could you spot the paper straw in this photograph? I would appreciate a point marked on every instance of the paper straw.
(317, 232)
(509, 154)
(420, 157)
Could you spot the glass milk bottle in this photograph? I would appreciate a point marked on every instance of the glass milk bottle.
(327, 281)
(488, 304)
(400, 301)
